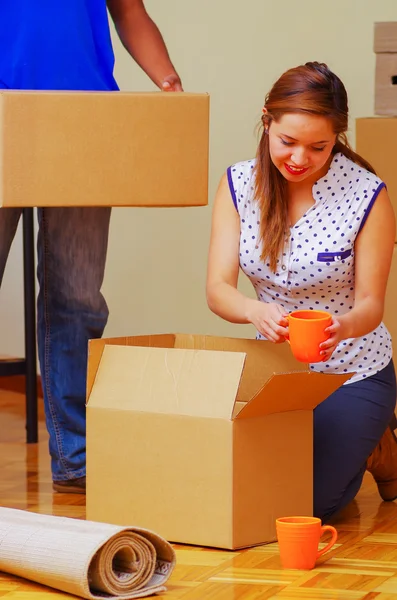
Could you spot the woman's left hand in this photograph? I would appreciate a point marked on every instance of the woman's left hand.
(335, 331)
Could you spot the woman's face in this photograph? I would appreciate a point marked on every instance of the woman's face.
(300, 146)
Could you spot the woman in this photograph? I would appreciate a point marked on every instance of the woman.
(311, 225)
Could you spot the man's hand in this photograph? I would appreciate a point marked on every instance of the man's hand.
(172, 83)
(143, 40)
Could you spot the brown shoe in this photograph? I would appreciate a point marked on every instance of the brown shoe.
(70, 486)
(382, 464)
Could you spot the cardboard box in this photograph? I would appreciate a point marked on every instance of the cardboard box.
(385, 47)
(385, 37)
(376, 141)
(390, 314)
(386, 84)
(206, 440)
(103, 149)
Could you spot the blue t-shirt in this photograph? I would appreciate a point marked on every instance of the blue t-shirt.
(55, 45)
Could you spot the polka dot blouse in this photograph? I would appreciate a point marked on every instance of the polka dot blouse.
(316, 269)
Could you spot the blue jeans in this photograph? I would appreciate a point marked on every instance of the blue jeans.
(348, 426)
(71, 247)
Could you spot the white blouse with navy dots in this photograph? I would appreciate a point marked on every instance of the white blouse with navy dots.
(316, 270)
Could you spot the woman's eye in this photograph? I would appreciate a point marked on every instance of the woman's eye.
(285, 143)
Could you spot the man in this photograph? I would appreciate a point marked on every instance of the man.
(66, 45)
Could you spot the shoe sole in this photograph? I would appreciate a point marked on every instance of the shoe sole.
(388, 499)
(67, 489)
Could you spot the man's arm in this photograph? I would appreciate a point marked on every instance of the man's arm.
(143, 40)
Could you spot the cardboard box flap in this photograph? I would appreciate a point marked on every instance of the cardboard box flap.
(169, 381)
(95, 349)
(263, 359)
(286, 392)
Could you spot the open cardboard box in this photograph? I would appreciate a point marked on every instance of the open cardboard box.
(103, 148)
(206, 440)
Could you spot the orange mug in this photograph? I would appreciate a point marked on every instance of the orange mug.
(298, 539)
(306, 332)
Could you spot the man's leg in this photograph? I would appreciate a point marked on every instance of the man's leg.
(72, 247)
(9, 218)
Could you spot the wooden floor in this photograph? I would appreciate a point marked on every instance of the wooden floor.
(362, 566)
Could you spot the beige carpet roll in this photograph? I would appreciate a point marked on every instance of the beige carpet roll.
(92, 560)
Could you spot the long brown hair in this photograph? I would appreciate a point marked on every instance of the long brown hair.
(313, 89)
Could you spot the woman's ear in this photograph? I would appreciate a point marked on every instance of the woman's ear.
(265, 119)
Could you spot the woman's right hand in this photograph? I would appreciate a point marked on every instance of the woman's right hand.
(269, 319)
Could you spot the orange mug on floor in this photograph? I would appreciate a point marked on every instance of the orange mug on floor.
(298, 539)
(306, 333)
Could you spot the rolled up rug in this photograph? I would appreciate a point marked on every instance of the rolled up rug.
(85, 558)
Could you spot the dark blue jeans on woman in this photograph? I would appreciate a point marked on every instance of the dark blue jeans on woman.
(348, 426)
(72, 245)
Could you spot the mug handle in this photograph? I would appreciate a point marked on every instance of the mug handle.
(325, 528)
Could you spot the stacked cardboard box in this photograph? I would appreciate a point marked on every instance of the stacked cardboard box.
(376, 140)
(385, 47)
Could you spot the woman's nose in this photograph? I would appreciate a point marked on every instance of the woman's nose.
(299, 158)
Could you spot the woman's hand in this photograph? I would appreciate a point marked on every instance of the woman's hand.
(336, 335)
(269, 319)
